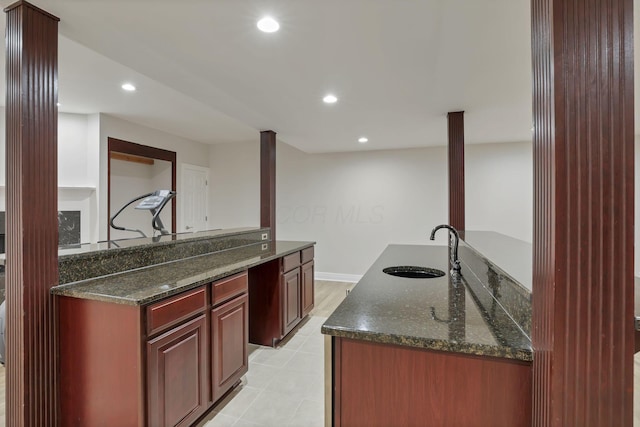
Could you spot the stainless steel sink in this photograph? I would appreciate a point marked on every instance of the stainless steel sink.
(413, 272)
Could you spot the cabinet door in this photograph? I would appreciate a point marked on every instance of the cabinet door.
(307, 288)
(177, 375)
(290, 300)
(230, 326)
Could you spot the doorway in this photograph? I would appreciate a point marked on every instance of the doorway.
(194, 191)
(160, 166)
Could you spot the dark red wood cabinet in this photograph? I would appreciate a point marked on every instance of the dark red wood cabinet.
(230, 359)
(164, 364)
(426, 387)
(280, 296)
(307, 271)
(177, 386)
(291, 300)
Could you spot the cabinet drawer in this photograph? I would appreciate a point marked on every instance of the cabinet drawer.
(290, 262)
(169, 312)
(225, 289)
(307, 255)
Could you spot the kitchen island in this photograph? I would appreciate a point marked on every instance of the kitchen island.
(439, 351)
(164, 336)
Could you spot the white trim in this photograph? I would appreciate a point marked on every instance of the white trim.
(337, 277)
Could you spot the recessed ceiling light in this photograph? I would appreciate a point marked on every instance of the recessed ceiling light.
(330, 99)
(58, 104)
(268, 25)
(363, 139)
(128, 87)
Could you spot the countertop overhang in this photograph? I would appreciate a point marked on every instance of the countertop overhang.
(437, 314)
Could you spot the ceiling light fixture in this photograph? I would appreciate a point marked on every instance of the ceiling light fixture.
(129, 87)
(363, 139)
(330, 99)
(58, 104)
(268, 25)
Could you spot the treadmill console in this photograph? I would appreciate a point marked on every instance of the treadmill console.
(155, 200)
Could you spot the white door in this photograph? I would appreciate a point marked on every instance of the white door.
(193, 198)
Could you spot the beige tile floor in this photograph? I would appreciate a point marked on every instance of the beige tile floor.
(284, 386)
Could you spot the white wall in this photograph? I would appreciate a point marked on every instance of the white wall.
(130, 180)
(354, 204)
(234, 185)
(82, 163)
(499, 188)
(187, 151)
(73, 150)
(78, 192)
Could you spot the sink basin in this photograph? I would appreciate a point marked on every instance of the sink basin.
(413, 272)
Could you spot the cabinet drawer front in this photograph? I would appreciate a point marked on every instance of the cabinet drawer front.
(225, 289)
(291, 261)
(307, 255)
(164, 314)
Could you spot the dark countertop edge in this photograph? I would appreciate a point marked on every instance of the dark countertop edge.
(498, 352)
(174, 291)
(184, 238)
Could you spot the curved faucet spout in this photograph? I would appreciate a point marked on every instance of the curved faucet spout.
(455, 262)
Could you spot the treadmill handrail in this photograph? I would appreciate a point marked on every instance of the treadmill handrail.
(117, 227)
(156, 222)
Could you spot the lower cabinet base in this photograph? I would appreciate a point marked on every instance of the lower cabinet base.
(386, 385)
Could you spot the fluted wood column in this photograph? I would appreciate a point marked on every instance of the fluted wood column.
(32, 223)
(455, 121)
(268, 181)
(583, 212)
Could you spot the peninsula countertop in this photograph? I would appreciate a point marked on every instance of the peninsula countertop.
(439, 313)
(146, 285)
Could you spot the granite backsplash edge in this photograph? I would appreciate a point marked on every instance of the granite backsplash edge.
(484, 277)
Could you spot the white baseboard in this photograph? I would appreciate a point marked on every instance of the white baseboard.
(337, 277)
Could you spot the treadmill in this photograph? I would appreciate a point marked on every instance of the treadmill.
(154, 203)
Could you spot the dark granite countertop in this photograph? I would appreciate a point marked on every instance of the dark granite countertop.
(71, 251)
(149, 284)
(438, 314)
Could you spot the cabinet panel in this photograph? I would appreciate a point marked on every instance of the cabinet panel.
(225, 289)
(290, 261)
(169, 312)
(291, 300)
(100, 356)
(307, 288)
(453, 389)
(307, 255)
(230, 326)
(177, 375)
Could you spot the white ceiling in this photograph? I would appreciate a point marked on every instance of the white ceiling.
(205, 72)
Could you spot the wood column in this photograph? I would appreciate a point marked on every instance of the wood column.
(32, 221)
(583, 212)
(268, 181)
(456, 169)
